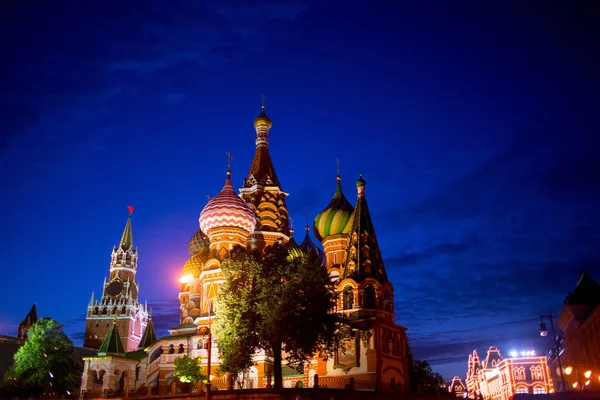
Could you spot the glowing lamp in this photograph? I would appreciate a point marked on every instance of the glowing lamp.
(587, 383)
(187, 278)
(543, 329)
(513, 353)
(587, 374)
(568, 370)
(574, 385)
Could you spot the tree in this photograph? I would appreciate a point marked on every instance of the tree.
(278, 303)
(420, 375)
(188, 370)
(44, 365)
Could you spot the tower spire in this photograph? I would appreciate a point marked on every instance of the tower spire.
(369, 263)
(127, 237)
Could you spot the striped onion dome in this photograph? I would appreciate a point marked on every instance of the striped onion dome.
(294, 250)
(198, 243)
(193, 266)
(227, 209)
(308, 247)
(336, 217)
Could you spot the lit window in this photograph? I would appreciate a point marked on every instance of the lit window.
(519, 374)
(539, 390)
(536, 373)
(522, 390)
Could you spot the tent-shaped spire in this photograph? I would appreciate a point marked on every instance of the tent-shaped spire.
(127, 238)
(113, 345)
(149, 336)
(364, 257)
(30, 319)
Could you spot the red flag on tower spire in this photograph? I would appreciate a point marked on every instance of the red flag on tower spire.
(130, 209)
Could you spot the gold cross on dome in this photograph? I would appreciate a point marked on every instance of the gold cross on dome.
(229, 157)
(262, 100)
(337, 162)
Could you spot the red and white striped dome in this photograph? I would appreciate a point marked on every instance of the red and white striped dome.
(227, 209)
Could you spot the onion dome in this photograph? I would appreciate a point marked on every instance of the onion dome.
(294, 250)
(193, 266)
(227, 209)
(308, 247)
(263, 120)
(198, 243)
(336, 217)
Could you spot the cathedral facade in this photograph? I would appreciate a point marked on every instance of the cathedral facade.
(132, 359)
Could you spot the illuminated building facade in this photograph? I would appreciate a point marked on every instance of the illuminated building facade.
(499, 378)
(579, 321)
(257, 217)
(457, 387)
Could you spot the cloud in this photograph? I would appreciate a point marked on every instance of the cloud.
(165, 315)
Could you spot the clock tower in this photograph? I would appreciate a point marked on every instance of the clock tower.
(119, 301)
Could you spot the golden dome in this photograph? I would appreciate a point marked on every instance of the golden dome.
(263, 120)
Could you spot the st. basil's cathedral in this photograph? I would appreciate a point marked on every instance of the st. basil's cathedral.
(131, 359)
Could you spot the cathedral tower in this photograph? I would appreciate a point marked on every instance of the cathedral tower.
(263, 193)
(119, 300)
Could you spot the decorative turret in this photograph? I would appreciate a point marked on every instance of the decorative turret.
(492, 358)
(308, 247)
(149, 337)
(293, 247)
(113, 344)
(199, 243)
(364, 258)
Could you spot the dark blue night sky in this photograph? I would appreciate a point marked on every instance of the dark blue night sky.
(475, 126)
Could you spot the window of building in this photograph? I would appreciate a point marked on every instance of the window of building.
(522, 389)
(180, 348)
(348, 299)
(171, 349)
(536, 373)
(519, 374)
(539, 390)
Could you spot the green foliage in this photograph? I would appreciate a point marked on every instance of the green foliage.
(277, 303)
(188, 370)
(421, 377)
(44, 365)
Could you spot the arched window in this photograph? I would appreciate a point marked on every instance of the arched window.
(370, 300)
(348, 298)
(519, 374)
(180, 348)
(96, 311)
(171, 349)
(104, 311)
(522, 389)
(539, 390)
(123, 310)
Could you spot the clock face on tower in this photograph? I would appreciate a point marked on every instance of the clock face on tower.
(114, 288)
